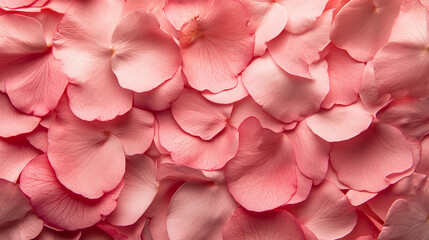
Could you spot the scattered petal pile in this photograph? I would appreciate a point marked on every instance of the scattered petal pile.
(214, 119)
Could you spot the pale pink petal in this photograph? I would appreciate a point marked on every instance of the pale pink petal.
(372, 99)
(249, 108)
(340, 122)
(364, 229)
(228, 96)
(425, 2)
(12, 122)
(363, 26)
(59, 6)
(193, 151)
(140, 188)
(15, 3)
(332, 177)
(262, 176)
(199, 117)
(410, 115)
(326, 212)
(49, 20)
(287, 97)
(302, 13)
(143, 56)
(199, 211)
(304, 186)
(357, 198)
(15, 153)
(294, 53)
(58, 206)
(364, 162)
(216, 42)
(38, 138)
(274, 225)
(417, 150)
(269, 19)
(162, 97)
(345, 76)
(311, 152)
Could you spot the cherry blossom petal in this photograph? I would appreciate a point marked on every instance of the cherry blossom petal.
(193, 151)
(228, 96)
(12, 122)
(56, 205)
(262, 176)
(345, 76)
(288, 98)
(410, 115)
(372, 99)
(294, 53)
(275, 225)
(302, 13)
(162, 97)
(215, 41)
(365, 161)
(140, 188)
(311, 152)
(340, 122)
(363, 26)
(199, 117)
(326, 212)
(143, 55)
(15, 153)
(194, 207)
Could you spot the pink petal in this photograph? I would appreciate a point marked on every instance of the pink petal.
(15, 153)
(50, 234)
(275, 225)
(12, 122)
(410, 115)
(357, 198)
(15, 3)
(382, 149)
(311, 152)
(423, 166)
(364, 229)
(199, 211)
(60, 6)
(302, 14)
(363, 26)
(140, 188)
(262, 176)
(56, 205)
(38, 138)
(294, 53)
(143, 56)
(216, 42)
(193, 151)
(345, 76)
(228, 96)
(287, 97)
(124, 232)
(162, 97)
(372, 99)
(199, 117)
(326, 212)
(304, 186)
(340, 122)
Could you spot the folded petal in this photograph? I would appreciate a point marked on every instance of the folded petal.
(363, 26)
(193, 151)
(303, 189)
(287, 97)
(364, 162)
(199, 211)
(372, 99)
(199, 117)
(215, 40)
(12, 122)
(262, 176)
(294, 53)
(275, 225)
(340, 122)
(58, 206)
(144, 56)
(228, 96)
(140, 188)
(326, 212)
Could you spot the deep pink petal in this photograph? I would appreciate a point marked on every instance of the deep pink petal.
(199, 211)
(275, 225)
(326, 212)
(193, 151)
(50, 234)
(287, 97)
(363, 26)
(199, 117)
(262, 176)
(58, 206)
(294, 53)
(124, 232)
(382, 148)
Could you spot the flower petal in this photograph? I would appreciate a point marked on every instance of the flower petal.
(302, 14)
(228, 96)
